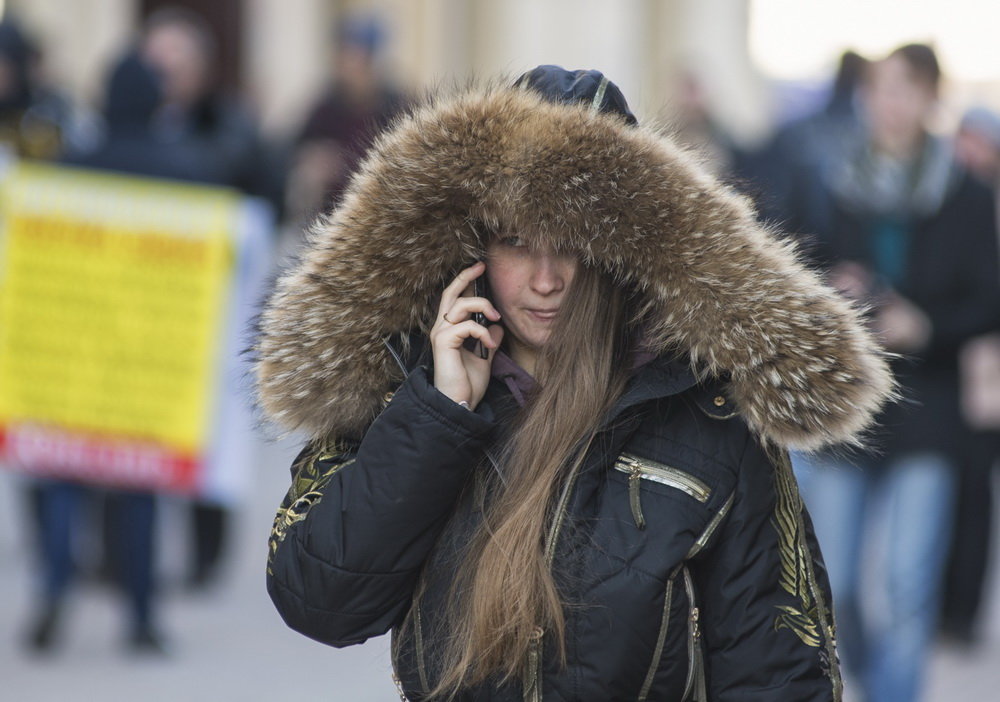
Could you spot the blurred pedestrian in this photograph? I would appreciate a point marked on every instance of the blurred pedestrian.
(181, 46)
(791, 172)
(596, 504)
(977, 147)
(199, 117)
(359, 102)
(133, 96)
(36, 120)
(912, 235)
(696, 126)
(977, 144)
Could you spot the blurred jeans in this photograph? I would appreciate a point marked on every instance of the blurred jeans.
(131, 520)
(917, 492)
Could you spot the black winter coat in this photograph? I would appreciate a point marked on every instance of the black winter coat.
(684, 554)
(688, 563)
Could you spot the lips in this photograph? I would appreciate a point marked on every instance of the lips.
(543, 315)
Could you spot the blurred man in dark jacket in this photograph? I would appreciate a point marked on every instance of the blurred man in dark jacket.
(198, 116)
(913, 236)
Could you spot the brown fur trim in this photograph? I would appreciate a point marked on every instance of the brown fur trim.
(804, 370)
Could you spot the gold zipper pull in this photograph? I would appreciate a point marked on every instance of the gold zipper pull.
(399, 688)
(533, 674)
(634, 496)
(700, 684)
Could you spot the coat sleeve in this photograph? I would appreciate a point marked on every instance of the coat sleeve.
(766, 617)
(353, 532)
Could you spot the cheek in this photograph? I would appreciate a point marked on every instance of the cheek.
(504, 285)
(568, 272)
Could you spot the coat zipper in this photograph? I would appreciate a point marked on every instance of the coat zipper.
(710, 529)
(643, 468)
(418, 643)
(695, 689)
(665, 475)
(634, 498)
(533, 672)
(661, 637)
(399, 688)
(394, 658)
(533, 676)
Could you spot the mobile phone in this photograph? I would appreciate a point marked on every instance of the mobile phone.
(471, 343)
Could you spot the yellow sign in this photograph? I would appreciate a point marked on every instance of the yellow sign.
(112, 294)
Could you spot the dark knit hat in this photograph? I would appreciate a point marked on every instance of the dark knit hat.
(589, 87)
(983, 121)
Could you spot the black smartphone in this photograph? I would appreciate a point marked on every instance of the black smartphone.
(472, 343)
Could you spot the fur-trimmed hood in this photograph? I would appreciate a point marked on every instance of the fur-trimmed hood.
(804, 371)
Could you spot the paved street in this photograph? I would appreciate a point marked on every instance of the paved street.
(228, 643)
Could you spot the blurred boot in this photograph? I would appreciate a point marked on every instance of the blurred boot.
(208, 531)
(57, 504)
(43, 634)
(133, 516)
(146, 641)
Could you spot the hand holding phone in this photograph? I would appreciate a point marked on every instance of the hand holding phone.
(464, 336)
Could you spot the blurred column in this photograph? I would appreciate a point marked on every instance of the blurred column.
(79, 38)
(431, 41)
(662, 27)
(516, 35)
(643, 45)
(713, 42)
(287, 56)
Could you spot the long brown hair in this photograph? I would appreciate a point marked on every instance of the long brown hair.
(505, 593)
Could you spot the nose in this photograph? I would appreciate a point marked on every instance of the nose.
(548, 274)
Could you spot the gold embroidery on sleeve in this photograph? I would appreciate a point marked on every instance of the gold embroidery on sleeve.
(811, 620)
(793, 579)
(306, 491)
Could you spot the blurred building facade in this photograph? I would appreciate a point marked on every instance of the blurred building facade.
(278, 51)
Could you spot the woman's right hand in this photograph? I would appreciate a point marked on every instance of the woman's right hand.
(459, 373)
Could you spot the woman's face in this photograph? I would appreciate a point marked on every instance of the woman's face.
(528, 286)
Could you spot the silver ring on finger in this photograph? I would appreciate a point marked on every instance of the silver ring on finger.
(445, 317)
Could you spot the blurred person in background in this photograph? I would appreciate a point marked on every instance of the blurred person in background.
(791, 171)
(697, 127)
(198, 117)
(358, 103)
(180, 44)
(133, 96)
(913, 236)
(977, 148)
(36, 120)
(977, 144)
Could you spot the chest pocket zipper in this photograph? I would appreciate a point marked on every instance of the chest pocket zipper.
(639, 469)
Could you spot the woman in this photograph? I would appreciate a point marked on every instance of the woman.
(602, 507)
